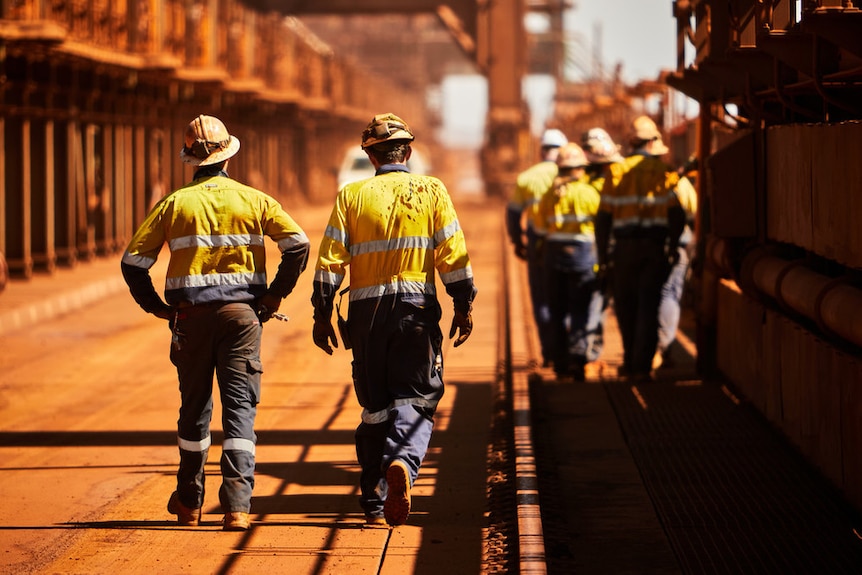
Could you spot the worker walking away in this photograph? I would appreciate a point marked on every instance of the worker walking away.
(521, 217)
(217, 297)
(639, 210)
(393, 231)
(670, 308)
(602, 152)
(567, 211)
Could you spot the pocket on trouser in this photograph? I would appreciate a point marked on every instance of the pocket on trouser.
(254, 367)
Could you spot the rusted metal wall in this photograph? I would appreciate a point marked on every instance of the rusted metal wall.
(805, 386)
(814, 198)
(781, 280)
(95, 96)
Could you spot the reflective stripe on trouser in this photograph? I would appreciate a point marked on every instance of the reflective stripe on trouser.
(640, 268)
(397, 371)
(405, 436)
(224, 342)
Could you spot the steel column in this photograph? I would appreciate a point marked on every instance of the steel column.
(501, 57)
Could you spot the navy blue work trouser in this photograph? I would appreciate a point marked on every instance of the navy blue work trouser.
(640, 269)
(575, 304)
(536, 278)
(398, 380)
(224, 340)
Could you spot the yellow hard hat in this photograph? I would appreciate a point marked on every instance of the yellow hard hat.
(208, 142)
(572, 156)
(385, 127)
(645, 130)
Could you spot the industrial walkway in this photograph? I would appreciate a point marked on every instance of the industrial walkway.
(680, 476)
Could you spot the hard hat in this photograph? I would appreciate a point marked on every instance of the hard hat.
(645, 130)
(385, 127)
(572, 156)
(208, 142)
(600, 147)
(554, 138)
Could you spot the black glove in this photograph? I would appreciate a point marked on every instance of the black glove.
(323, 334)
(267, 306)
(521, 251)
(672, 255)
(168, 313)
(463, 324)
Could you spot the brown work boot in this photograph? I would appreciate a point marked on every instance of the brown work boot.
(396, 508)
(236, 521)
(185, 515)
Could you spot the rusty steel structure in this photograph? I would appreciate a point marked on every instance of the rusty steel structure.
(94, 94)
(492, 35)
(780, 127)
(94, 97)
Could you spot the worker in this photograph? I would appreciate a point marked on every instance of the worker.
(601, 152)
(393, 231)
(567, 211)
(640, 211)
(216, 298)
(669, 310)
(531, 185)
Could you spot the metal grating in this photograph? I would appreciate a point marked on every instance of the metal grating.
(734, 497)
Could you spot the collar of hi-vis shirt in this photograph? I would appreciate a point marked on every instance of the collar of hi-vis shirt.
(209, 172)
(389, 168)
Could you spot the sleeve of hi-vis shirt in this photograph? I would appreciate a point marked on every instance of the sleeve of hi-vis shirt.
(333, 258)
(292, 242)
(450, 255)
(140, 256)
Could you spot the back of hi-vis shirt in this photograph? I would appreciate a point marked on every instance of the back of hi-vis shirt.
(393, 231)
(215, 229)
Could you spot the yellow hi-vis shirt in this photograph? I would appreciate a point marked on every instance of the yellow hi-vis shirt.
(215, 228)
(567, 211)
(639, 193)
(393, 230)
(531, 185)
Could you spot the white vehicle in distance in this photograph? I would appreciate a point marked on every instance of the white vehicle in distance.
(357, 166)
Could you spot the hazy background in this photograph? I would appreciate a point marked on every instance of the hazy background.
(638, 34)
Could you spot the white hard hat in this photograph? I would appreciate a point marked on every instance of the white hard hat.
(554, 138)
(600, 147)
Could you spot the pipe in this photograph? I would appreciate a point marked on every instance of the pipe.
(832, 303)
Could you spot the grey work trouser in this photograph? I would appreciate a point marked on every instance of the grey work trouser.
(226, 340)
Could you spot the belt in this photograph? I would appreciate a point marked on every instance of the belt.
(187, 310)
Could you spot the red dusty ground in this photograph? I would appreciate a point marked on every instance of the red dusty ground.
(88, 405)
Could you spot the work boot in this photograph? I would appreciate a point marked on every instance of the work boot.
(657, 360)
(236, 521)
(396, 508)
(375, 520)
(185, 515)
